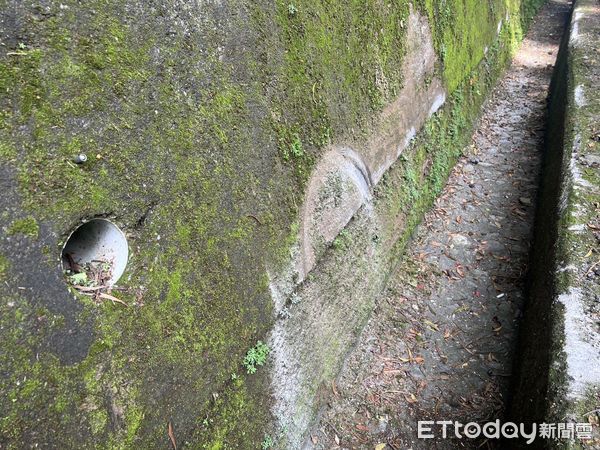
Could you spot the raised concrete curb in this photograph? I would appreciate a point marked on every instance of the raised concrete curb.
(558, 376)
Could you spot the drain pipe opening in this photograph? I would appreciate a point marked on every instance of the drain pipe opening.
(95, 254)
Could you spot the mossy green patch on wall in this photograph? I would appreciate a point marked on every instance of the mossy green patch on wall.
(200, 127)
(4, 266)
(465, 30)
(171, 143)
(342, 63)
(27, 226)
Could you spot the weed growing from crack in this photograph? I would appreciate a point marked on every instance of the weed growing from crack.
(267, 443)
(256, 356)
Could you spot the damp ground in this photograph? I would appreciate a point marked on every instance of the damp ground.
(440, 343)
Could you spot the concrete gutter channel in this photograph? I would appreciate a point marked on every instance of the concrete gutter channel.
(557, 375)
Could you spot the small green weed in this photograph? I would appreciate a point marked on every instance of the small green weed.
(267, 443)
(342, 241)
(296, 149)
(256, 356)
(79, 279)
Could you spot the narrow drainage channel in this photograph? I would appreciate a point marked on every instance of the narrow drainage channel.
(440, 344)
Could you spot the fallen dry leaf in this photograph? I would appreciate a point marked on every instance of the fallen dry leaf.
(334, 389)
(431, 325)
(172, 435)
(112, 298)
(411, 398)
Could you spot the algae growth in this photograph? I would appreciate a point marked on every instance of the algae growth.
(200, 128)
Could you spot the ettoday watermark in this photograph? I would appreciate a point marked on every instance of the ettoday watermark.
(508, 430)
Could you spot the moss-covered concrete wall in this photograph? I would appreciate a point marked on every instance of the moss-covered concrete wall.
(202, 122)
(559, 375)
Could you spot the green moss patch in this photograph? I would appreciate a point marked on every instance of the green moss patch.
(200, 133)
(27, 226)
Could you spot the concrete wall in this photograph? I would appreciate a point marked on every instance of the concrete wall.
(267, 163)
(559, 374)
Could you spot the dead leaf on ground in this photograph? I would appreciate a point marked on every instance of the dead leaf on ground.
(172, 435)
(431, 325)
(112, 298)
(334, 388)
(410, 398)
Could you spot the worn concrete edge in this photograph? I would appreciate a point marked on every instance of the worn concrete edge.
(558, 372)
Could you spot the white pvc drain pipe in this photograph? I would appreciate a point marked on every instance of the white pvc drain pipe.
(97, 241)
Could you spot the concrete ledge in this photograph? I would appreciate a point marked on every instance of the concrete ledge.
(558, 377)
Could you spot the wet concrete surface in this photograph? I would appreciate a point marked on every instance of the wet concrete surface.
(440, 344)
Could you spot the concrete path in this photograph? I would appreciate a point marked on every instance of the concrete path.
(439, 345)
